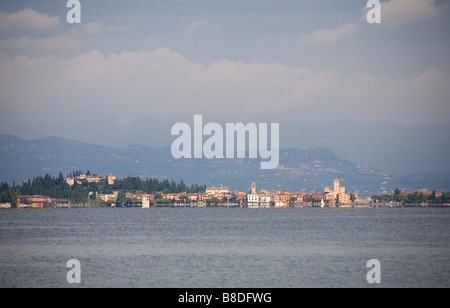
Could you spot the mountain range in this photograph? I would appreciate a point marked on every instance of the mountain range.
(307, 170)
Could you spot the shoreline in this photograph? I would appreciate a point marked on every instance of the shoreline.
(344, 206)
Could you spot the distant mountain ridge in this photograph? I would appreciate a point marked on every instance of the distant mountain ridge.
(299, 170)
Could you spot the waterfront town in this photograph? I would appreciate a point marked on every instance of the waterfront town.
(331, 196)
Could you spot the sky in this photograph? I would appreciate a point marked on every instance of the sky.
(375, 94)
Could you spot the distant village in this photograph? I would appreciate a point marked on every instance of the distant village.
(332, 196)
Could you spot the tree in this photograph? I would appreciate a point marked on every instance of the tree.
(182, 187)
(213, 200)
(445, 198)
(93, 196)
(107, 189)
(14, 195)
(121, 198)
(233, 198)
(184, 198)
(433, 198)
(396, 197)
(292, 200)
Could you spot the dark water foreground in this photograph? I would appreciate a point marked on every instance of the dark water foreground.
(230, 248)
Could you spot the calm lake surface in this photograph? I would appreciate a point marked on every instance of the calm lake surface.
(225, 247)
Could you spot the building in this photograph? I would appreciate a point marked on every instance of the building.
(253, 200)
(32, 201)
(110, 179)
(330, 197)
(39, 202)
(281, 198)
(218, 192)
(425, 193)
(300, 197)
(253, 197)
(171, 196)
(265, 198)
(343, 198)
(146, 201)
(366, 201)
(241, 196)
(108, 197)
(338, 195)
(315, 196)
(197, 197)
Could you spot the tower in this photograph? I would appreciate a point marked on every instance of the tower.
(336, 185)
(253, 191)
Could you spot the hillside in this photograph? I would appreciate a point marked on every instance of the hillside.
(299, 170)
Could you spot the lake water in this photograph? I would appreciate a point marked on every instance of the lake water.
(225, 247)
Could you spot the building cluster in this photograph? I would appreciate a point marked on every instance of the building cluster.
(423, 192)
(110, 179)
(214, 194)
(40, 202)
(332, 196)
(338, 194)
(265, 198)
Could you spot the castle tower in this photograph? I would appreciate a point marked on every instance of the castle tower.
(336, 185)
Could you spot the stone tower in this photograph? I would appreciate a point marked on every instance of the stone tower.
(336, 185)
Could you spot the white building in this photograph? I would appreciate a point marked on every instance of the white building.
(265, 198)
(252, 197)
(145, 201)
(108, 197)
(253, 200)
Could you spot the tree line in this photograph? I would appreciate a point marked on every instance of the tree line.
(83, 191)
(414, 198)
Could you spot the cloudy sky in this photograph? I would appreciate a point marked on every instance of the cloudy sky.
(377, 94)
